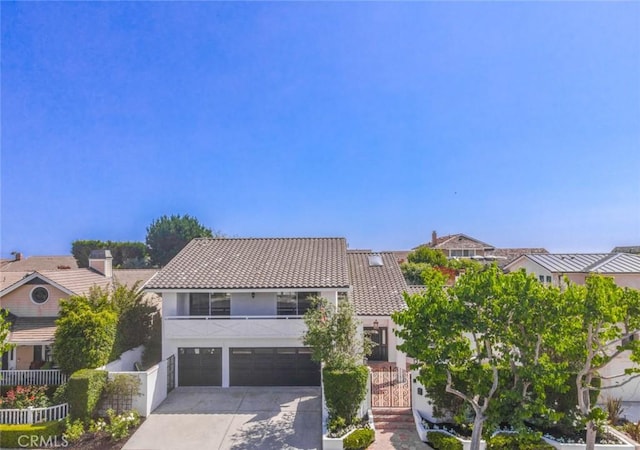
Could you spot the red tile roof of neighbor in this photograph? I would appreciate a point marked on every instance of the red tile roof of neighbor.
(256, 263)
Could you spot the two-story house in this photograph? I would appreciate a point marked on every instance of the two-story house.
(232, 308)
(31, 289)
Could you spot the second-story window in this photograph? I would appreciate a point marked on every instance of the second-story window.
(205, 304)
(295, 303)
(220, 304)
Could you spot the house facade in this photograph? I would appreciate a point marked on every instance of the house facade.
(31, 290)
(624, 268)
(232, 308)
(377, 292)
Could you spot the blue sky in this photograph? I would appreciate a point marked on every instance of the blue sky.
(516, 123)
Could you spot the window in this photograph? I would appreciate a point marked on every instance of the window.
(548, 278)
(541, 277)
(287, 304)
(462, 253)
(295, 303)
(39, 295)
(199, 304)
(220, 304)
(205, 304)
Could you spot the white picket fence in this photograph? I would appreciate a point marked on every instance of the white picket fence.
(33, 415)
(32, 377)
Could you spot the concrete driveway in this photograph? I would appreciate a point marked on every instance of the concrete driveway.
(238, 418)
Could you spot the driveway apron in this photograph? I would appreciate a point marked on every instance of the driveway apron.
(237, 418)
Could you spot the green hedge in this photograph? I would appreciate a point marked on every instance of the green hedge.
(359, 439)
(442, 441)
(84, 389)
(40, 435)
(518, 442)
(344, 390)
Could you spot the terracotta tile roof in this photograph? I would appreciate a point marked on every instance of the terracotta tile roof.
(415, 289)
(376, 290)
(9, 278)
(38, 263)
(78, 281)
(130, 276)
(510, 254)
(32, 330)
(256, 263)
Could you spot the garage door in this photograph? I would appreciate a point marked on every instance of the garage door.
(199, 366)
(291, 366)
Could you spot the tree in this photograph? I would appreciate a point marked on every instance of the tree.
(333, 335)
(166, 236)
(599, 315)
(481, 342)
(5, 327)
(85, 333)
(128, 255)
(427, 255)
(135, 317)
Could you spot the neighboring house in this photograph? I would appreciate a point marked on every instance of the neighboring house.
(552, 268)
(376, 292)
(463, 246)
(459, 246)
(30, 291)
(232, 308)
(635, 249)
(624, 268)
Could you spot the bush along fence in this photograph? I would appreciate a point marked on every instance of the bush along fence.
(32, 415)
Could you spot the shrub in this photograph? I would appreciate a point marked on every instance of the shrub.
(344, 390)
(633, 430)
(73, 430)
(46, 434)
(119, 425)
(84, 389)
(60, 395)
(441, 441)
(85, 333)
(359, 439)
(336, 424)
(152, 353)
(24, 396)
(134, 318)
(522, 441)
(614, 409)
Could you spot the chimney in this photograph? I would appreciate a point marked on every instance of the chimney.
(434, 238)
(102, 262)
(18, 256)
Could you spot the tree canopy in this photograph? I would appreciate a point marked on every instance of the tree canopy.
(168, 235)
(480, 341)
(127, 255)
(5, 326)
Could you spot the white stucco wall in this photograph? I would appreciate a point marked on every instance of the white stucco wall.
(628, 392)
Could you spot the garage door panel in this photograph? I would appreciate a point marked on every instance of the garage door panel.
(199, 366)
(266, 366)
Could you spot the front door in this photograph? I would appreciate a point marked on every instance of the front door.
(379, 337)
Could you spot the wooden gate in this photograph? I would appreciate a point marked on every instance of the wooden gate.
(390, 388)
